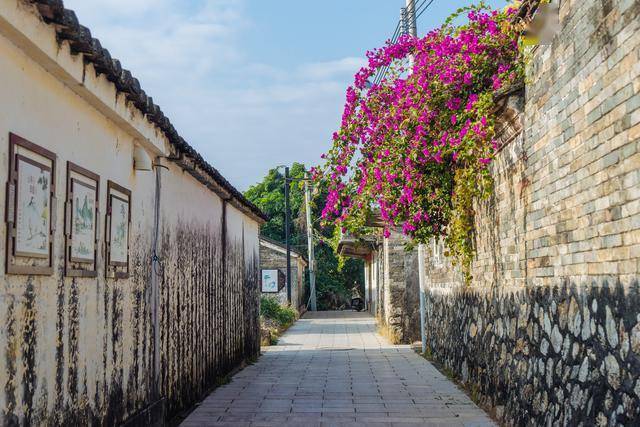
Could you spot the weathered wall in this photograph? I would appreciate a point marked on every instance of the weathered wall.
(392, 272)
(543, 355)
(209, 289)
(549, 329)
(82, 350)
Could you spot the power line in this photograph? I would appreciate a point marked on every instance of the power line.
(396, 32)
(382, 71)
(419, 5)
(418, 10)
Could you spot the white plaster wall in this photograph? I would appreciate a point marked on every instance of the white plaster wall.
(197, 204)
(40, 108)
(70, 327)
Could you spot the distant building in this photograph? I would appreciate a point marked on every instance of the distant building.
(391, 285)
(273, 256)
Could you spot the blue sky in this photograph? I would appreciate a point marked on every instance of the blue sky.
(251, 84)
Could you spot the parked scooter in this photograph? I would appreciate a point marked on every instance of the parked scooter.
(357, 302)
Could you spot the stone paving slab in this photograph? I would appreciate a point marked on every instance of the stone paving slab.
(334, 369)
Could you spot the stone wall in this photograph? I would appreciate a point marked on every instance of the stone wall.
(543, 355)
(547, 332)
(392, 271)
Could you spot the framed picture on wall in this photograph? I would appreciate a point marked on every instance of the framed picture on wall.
(81, 221)
(272, 281)
(117, 225)
(30, 208)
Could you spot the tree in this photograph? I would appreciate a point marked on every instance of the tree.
(333, 281)
(268, 195)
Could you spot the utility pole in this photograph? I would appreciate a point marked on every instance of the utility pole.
(411, 27)
(410, 14)
(312, 260)
(287, 228)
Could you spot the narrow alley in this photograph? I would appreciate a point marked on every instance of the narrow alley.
(333, 368)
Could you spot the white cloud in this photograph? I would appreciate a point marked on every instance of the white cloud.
(243, 116)
(331, 69)
(151, 34)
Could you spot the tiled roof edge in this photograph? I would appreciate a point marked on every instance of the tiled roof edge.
(283, 246)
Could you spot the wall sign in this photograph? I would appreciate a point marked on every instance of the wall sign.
(117, 230)
(272, 281)
(30, 208)
(81, 222)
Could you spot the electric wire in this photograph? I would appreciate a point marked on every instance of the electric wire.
(419, 9)
(420, 12)
(383, 70)
(419, 5)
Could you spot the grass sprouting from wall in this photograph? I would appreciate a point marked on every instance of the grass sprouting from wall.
(392, 335)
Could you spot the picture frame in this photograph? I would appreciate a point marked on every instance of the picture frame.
(117, 231)
(30, 210)
(82, 222)
(272, 281)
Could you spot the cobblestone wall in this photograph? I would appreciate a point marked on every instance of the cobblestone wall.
(548, 329)
(543, 355)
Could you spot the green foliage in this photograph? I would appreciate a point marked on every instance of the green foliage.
(271, 309)
(268, 195)
(334, 279)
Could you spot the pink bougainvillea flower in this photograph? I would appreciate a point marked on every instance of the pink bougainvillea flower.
(497, 83)
(416, 144)
(438, 157)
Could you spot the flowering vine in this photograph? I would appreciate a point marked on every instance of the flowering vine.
(417, 145)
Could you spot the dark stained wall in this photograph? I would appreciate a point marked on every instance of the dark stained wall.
(87, 351)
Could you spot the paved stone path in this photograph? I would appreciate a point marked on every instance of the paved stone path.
(332, 368)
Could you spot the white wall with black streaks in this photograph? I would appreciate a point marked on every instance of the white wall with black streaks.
(82, 350)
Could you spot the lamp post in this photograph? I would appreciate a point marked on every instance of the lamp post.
(287, 234)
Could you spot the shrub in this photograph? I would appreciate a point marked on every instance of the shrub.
(271, 309)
